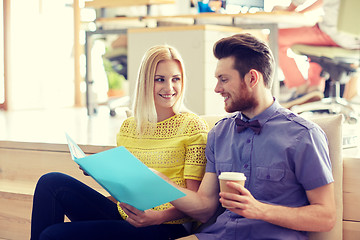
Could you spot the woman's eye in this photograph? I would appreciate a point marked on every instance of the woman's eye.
(176, 79)
(159, 80)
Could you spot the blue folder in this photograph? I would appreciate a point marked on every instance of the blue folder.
(125, 177)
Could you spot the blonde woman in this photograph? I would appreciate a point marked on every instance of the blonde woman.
(163, 135)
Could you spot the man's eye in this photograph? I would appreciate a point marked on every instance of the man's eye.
(223, 79)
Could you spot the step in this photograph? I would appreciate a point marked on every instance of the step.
(21, 165)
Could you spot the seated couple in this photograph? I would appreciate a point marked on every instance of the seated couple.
(289, 186)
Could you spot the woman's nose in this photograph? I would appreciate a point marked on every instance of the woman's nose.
(168, 85)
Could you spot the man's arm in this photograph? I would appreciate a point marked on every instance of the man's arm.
(150, 217)
(200, 205)
(292, 7)
(315, 5)
(319, 216)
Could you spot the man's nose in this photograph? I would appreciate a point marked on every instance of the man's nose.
(218, 88)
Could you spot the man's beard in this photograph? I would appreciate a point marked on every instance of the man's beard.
(245, 103)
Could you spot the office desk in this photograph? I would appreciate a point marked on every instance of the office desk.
(261, 20)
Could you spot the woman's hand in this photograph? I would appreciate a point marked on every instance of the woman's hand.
(150, 217)
(111, 198)
(139, 218)
(85, 173)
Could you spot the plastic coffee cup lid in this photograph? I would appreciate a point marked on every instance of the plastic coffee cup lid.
(235, 176)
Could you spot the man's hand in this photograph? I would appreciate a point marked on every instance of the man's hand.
(139, 218)
(318, 216)
(244, 203)
(280, 9)
(290, 8)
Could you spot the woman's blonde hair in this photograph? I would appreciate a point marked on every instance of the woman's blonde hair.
(144, 105)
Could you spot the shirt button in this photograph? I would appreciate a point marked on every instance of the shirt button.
(246, 166)
(268, 177)
(248, 141)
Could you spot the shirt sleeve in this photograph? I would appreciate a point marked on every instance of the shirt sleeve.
(195, 159)
(312, 162)
(209, 152)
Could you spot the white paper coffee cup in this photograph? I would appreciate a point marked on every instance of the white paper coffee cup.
(225, 177)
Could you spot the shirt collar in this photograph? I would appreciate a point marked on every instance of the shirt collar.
(265, 115)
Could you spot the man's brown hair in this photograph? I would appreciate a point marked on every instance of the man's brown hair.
(249, 53)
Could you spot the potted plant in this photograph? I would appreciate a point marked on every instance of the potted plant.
(115, 80)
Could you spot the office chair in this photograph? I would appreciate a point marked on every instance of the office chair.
(338, 65)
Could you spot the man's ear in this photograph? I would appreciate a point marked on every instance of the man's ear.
(253, 78)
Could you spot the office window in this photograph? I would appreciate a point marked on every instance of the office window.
(41, 67)
(2, 86)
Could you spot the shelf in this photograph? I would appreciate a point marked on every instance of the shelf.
(217, 18)
(124, 3)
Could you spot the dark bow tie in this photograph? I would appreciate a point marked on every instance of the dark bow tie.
(242, 125)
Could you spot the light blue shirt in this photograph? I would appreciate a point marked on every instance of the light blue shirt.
(288, 157)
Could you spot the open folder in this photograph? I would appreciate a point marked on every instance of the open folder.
(125, 177)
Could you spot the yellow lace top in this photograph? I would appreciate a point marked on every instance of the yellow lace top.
(176, 148)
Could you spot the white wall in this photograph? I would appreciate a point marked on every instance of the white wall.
(195, 45)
